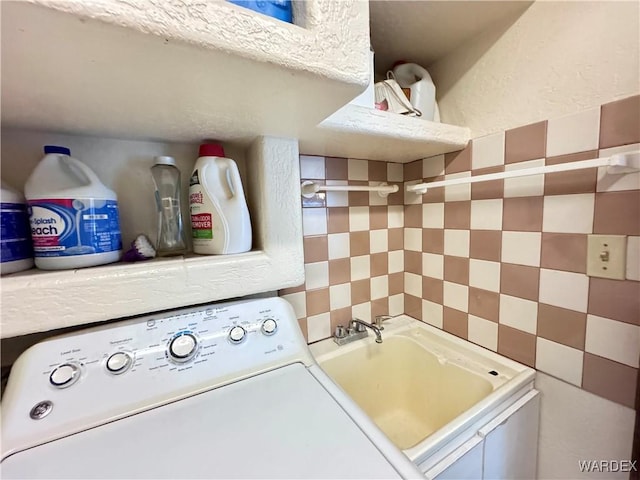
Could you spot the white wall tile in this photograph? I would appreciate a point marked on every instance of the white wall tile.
(395, 172)
(379, 287)
(358, 219)
(568, 213)
(411, 198)
(456, 296)
(314, 221)
(614, 340)
(455, 193)
(633, 258)
(486, 214)
(573, 133)
(360, 267)
(432, 313)
(413, 239)
(358, 169)
(521, 248)
(531, 186)
(564, 289)
(379, 240)
(340, 296)
(395, 216)
(433, 166)
(413, 284)
(488, 151)
(559, 360)
(608, 182)
(337, 199)
(318, 327)
(396, 304)
(396, 261)
(298, 301)
(433, 265)
(456, 242)
(338, 245)
(433, 215)
(316, 275)
(312, 167)
(484, 274)
(362, 311)
(483, 332)
(519, 313)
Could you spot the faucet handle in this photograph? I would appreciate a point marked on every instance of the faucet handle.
(381, 318)
(357, 325)
(340, 332)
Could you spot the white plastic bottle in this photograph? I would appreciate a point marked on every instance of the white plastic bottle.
(16, 252)
(420, 84)
(74, 217)
(220, 222)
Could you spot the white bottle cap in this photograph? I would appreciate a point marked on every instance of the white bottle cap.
(165, 161)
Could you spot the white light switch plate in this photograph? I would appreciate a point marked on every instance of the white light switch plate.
(607, 256)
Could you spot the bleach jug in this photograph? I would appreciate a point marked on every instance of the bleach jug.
(220, 222)
(421, 90)
(16, 253)
(74, 217)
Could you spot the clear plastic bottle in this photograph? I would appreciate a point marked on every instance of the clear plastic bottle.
(166, 177)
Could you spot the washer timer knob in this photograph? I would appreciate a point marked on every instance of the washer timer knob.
(183, 347)
(269, 326)
(64, 375)
(118, 363)
(237, 334)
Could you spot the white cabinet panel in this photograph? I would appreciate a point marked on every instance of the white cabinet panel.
(511, 441)
(464, 463)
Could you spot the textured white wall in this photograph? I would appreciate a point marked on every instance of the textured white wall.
(577, 425)
(556, 58)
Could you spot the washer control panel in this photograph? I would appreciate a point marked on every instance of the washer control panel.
(97, 375)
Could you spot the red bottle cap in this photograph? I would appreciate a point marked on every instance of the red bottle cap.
(211, 150)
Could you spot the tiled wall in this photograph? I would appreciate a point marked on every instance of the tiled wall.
(503, 263)
(353, 246)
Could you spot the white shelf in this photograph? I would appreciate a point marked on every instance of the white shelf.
(366, 133)
(179, 71)
(36, 301)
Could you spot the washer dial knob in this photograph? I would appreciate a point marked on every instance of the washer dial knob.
(183, 347)
(64, 375)
(269, 326)
(119, 363)
(237, 334)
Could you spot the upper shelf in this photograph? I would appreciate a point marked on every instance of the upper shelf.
(179, 71)
(360, 132)
(36, 301)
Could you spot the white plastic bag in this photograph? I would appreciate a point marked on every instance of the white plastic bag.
(389, 93)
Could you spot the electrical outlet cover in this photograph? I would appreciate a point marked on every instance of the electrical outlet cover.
(607, 256)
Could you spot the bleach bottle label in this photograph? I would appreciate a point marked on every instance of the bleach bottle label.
(15, 238)
(201, 218)
(66, 227)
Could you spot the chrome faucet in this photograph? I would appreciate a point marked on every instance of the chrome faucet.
(357, 330)
(360, 326)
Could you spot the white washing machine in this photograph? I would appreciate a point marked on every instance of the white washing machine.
(224, 391)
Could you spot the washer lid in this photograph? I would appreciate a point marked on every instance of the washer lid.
(281, 424)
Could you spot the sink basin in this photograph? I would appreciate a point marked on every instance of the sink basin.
(422, 386)
(404, 388)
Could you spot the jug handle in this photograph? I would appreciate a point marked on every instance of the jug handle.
(230, 182)
(79, 169)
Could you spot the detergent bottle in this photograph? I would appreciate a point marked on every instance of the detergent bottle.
(15, 238)
(421, 91)
(74, 217)
(220, 222)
